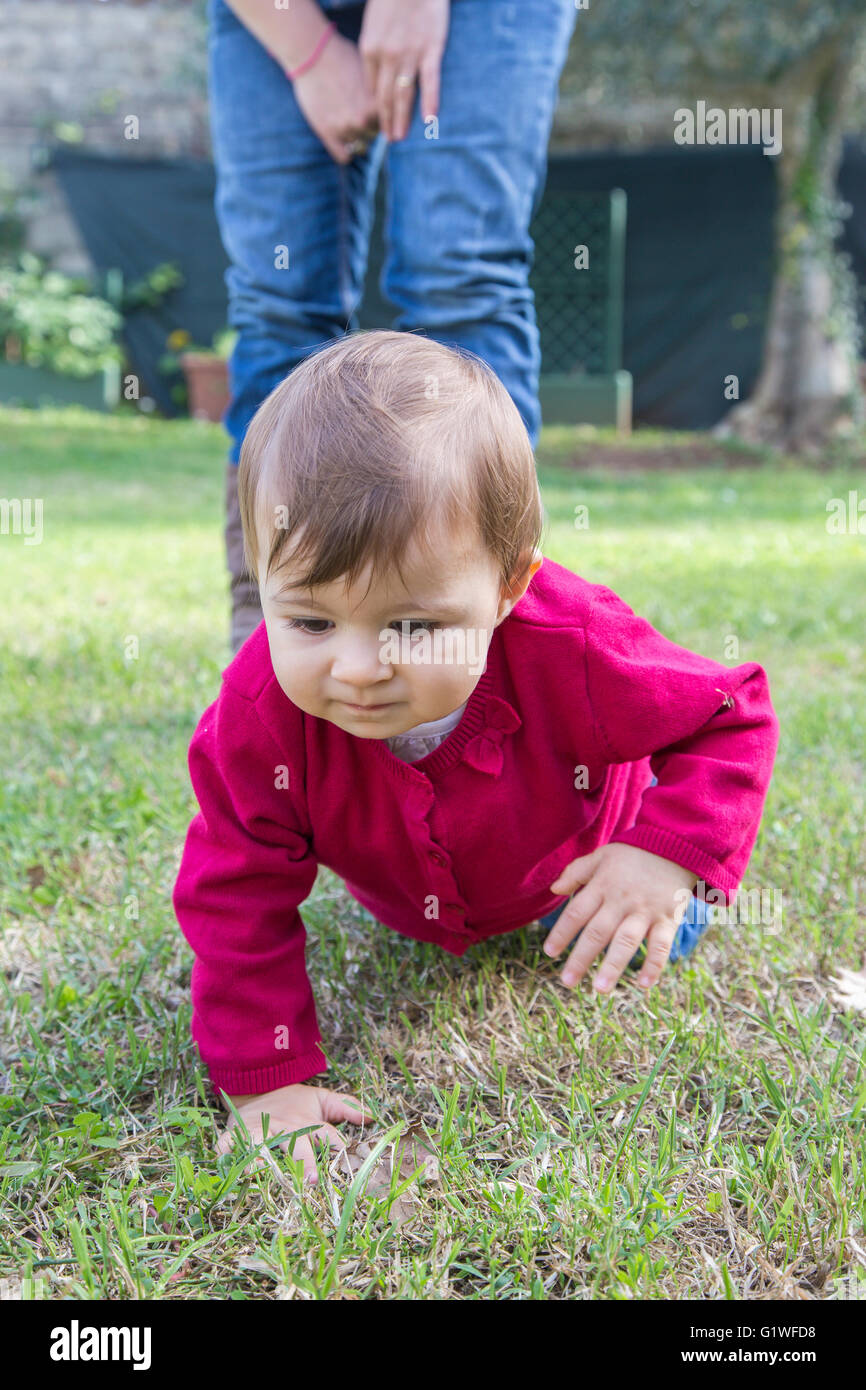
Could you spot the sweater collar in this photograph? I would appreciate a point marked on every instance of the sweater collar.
(487, 721)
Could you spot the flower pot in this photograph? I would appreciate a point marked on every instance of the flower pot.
(207, 384)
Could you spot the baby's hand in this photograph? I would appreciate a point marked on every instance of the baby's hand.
(291, 1108)
(625, 894)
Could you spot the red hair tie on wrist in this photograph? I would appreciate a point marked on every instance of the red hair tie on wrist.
(308, 63)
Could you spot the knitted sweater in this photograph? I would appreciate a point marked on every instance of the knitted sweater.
(580, 703)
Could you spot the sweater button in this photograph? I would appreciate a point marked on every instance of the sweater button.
(437, 857)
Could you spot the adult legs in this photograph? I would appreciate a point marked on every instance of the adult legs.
(295, 226)
(462, 192)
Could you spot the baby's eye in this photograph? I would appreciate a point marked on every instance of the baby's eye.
(308, 625)
(316, 626)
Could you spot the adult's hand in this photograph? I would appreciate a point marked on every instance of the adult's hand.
(401, 44)
(336, 101)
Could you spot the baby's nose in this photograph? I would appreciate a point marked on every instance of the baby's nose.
(359, 662)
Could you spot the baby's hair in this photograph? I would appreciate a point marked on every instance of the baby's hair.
(377, 438)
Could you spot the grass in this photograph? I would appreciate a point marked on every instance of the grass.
(701, 1142)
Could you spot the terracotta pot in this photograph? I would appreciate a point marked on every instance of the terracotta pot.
(207, 382)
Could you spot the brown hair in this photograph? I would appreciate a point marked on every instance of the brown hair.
(373, 440)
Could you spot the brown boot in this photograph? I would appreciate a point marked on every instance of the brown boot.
(246, 606)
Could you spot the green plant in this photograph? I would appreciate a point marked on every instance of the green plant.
(49, 319)
(13, 214)
(152, 288)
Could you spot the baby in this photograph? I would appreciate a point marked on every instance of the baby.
(466, 732)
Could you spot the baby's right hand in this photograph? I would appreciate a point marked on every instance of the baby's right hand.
(291, 1108)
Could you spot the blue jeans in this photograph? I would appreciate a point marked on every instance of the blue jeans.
(458, 208)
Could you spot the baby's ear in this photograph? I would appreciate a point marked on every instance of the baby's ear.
(526, 568)
(510, 594)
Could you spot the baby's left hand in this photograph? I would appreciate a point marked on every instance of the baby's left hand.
(625, 894)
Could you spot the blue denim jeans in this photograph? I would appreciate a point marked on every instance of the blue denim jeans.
(695, 921)
(458, 208)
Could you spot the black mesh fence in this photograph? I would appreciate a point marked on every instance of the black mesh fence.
(696, 277)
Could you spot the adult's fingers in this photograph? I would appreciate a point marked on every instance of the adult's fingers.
(336, 149)
(402, 102)
(370, 128)
(386, 79)
(430, 79)
(371, 71)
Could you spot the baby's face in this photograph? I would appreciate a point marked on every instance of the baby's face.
(406, 654)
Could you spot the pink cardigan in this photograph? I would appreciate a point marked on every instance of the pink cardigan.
(463, 844)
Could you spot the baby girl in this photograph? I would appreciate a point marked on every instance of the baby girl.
(470, 735)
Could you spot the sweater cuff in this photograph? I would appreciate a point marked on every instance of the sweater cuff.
(256, 1081)
(670, 846)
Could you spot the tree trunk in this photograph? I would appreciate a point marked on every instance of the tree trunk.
(808, 387)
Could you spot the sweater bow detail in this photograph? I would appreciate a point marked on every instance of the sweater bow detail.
(484, 750)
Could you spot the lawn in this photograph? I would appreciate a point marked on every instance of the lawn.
(704, 1141)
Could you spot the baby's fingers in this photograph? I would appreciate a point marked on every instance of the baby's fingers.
(628, 936)
(326, 1134)
(659, 941)
(577, 873)
(339, 1107)
(583, 906)
(233, 1140)
(302, 1150)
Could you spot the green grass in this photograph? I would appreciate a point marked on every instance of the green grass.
(701, 1142)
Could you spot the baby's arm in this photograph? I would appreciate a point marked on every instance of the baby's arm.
(710, 733)
(247, 865)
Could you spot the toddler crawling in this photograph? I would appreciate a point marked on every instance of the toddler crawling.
(464, 731)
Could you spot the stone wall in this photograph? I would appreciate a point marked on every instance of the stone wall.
(74, 70)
